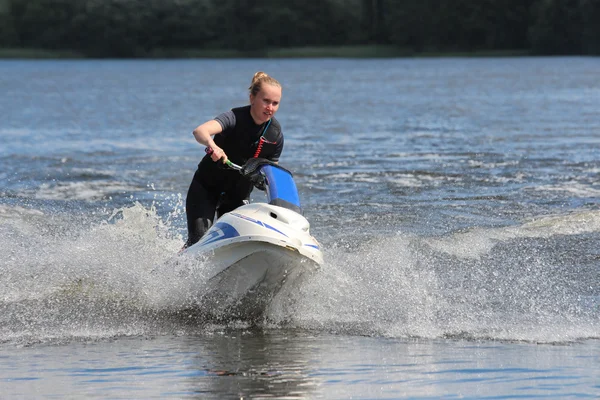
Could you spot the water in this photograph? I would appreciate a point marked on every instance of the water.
(457, 201)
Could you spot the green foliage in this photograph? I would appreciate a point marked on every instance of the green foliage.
(590, 11)
(453, 25)
(140, 28)
(557, 27)
(8, 34)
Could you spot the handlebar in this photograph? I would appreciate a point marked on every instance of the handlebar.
(252, 173)
(209, 151)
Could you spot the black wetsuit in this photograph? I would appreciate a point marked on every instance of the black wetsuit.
(217, 188)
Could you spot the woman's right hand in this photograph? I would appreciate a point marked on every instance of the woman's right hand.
(217, 153)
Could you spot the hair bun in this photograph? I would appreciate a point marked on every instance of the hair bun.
(258, 79)
(258, 76)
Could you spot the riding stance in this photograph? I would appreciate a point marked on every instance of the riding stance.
(236, 135)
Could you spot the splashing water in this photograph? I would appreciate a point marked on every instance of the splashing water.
(67, 276)
(514, 283)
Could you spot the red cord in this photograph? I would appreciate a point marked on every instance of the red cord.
(259, 147)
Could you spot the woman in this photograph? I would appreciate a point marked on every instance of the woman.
(236, 135)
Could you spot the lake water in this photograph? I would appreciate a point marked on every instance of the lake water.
(457, 202)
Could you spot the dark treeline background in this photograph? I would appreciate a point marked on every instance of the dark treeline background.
(137, 28)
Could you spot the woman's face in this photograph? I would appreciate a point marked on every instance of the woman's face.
(264, 105)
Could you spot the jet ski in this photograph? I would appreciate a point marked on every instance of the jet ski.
(256, 249)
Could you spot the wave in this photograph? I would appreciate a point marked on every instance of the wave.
(573, 188)
(534, 282)
(67, 277)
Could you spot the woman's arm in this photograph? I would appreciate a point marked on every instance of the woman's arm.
(203, 135)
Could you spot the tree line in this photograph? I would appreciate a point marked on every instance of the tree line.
(137, 28)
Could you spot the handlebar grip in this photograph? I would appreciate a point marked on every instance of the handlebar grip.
(209, 151)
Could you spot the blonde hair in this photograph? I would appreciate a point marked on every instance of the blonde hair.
(258, 79)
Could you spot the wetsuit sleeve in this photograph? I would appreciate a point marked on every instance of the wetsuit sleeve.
(227, 121)
(278, 150)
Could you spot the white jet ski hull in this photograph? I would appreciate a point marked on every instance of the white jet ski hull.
(250, 253)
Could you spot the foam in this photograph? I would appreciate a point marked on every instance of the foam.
(574, 188)
(120, 276)
(82, 190)
(479, 241)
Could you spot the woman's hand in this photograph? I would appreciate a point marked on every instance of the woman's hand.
(217, 153)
